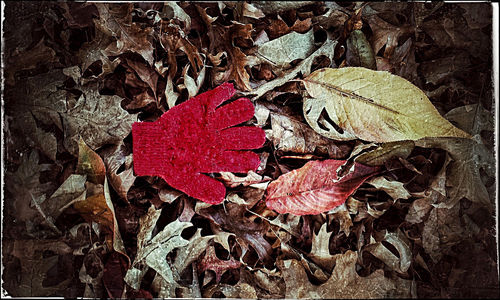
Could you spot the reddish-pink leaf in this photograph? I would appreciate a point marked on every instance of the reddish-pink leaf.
(211, 262)
(315, 188)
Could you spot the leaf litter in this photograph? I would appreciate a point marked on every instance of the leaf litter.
(415, 216)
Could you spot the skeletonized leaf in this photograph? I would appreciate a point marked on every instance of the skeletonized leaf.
(315, 188)
(372, 105)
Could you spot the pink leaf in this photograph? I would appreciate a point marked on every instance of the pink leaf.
(315, 188)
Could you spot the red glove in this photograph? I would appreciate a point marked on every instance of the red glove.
(196, 137)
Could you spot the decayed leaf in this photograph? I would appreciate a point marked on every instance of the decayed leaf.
(282, 51)
(197, 244)
(304, 67)
(116, 20)
(211, 262)
(359, 52)
(343, 283)
(320, 251)
(394, 189)
(399, 263)
(316, 187)
(469, 156)
(97, 206)
(114, 158)
(246, 231)
(152, 251)
(373, 106)
(386, 151)
(291, 135)
(24, 184)
(232, 180)
(72, 189)
(386, 34)
(98, 119)
(36, 258)
(442, 230)
(90, 164)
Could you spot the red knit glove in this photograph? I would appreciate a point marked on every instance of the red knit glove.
(196, 137)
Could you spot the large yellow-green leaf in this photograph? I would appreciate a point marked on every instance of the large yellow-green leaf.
(371, 105)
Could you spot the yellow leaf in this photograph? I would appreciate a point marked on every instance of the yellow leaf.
(90, 164)
(371, 105)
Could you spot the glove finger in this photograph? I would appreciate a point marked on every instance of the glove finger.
(234, 161)
(217, 96)
(233, 113)
(239, 138)
(201, 187)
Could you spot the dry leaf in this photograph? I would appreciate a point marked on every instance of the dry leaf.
(24, 185)
(343, 283)
(114, 158)
(469, 156)
(320, 251)
(304, 67)
(399, 262)
(386, 151)
(373, 106)
(282, 51)
(115, 20)
(211, 262)
(394, 189)
(316, 187)
(359, 52)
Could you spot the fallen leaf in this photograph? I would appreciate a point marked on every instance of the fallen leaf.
(115, 20)
(384, 152)
(114, 158)
(386, 34)
(290, 135)
(90, 164)
(399, 262)
(282, 51)
(442, 230)
(211, 262)
(343, 283)
(197, 245)
(320, 251)
(36, 258)
(152, 251)
(469, 156)
(418, 210)
(316, 187)
(24, 184)
(247, 232)
(398, 109)
(359, 51)
(394, 189)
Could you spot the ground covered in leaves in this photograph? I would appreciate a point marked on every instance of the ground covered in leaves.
(77, 222)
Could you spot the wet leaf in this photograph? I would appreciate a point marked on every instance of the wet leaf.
(398, 109)
(316, 187)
